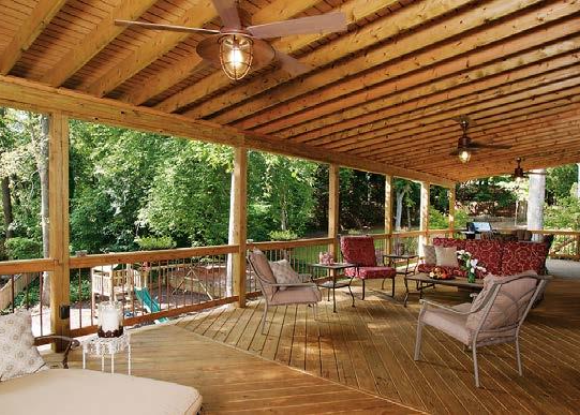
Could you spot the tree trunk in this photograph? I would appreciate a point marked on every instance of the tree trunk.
(536, 200)
(399, 212)
(7, 207)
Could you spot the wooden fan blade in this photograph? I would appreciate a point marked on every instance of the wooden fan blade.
(291, 65)
(172, 28)
(228, 11)
(454, 152)
(324, 23)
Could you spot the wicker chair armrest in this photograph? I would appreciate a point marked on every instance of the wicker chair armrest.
(72, 344)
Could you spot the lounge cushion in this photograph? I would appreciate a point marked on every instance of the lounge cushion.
(369, 273)
(297, 295)
(89, 392)
(518, 257)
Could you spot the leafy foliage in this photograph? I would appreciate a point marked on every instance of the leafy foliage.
(565, 214)
(23, 248)
(153, 243)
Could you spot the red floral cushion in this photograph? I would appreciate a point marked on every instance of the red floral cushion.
(447, 242)
(523, 256)
(369, 273)
(426, 268)
(359, 250)
(489, 254)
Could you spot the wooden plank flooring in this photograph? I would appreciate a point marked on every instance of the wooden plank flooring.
(234, 381)
(370, 347)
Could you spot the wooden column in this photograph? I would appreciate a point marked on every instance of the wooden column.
(424, 223)
(333, 207)
(388, 213)
(58, 214)
(452, 211)
(240, 233)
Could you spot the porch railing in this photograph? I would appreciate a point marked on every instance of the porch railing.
(155, 285)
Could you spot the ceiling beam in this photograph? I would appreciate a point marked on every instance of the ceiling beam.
(472, 50)
(177, 72)
(374, 130)
(391, 25)
(95, 41)
(18, 93)
(467, 83)
(425, 36)
(28, 31)
(498, 58)
(195, 15)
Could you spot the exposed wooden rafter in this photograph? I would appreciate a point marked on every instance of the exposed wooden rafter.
(40, 17)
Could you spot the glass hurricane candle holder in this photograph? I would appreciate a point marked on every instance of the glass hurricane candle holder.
(110, 319)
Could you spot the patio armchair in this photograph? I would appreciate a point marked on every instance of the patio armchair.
(360, 251)
(496, 316)
(295, 293)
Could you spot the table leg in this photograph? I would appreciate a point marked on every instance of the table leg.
(334, 291)
(406, 291)
(112, 362)
(102, 362)
(129, 358)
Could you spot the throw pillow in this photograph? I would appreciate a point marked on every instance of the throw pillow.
(18, 355)
(284, 273)
(446, 257)
(430, 256)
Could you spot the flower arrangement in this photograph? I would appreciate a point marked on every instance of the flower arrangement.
(469, 264)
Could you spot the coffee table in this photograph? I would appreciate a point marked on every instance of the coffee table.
(333, 284)
(425, 281)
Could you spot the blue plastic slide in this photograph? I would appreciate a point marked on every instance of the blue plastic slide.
(149, 303)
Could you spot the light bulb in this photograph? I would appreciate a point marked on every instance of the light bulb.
(464, 155)
(236, 55)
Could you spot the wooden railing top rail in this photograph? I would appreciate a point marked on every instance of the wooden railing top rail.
(150, 256)
(273, 245)
(27, 265)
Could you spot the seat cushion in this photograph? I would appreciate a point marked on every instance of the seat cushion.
(262, 267)
(297, 295)
(448, 322)
(93, 393)
(369, 273)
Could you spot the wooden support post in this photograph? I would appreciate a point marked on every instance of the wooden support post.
(240, 233)
(58, 213)
(333, 208)
(388, 213)
(424, 220)
(452, 211)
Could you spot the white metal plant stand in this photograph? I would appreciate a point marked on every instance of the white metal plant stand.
(100, 346)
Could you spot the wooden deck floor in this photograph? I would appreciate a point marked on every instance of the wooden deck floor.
(370, 347)
(234, 381)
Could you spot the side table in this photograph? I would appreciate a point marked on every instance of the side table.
(100, 346)
(333, 284)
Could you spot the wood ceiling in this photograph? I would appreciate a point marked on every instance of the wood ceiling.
(383, 93)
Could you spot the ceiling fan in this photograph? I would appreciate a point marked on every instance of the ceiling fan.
(519, 172)
(237, 49)
(465, 146)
